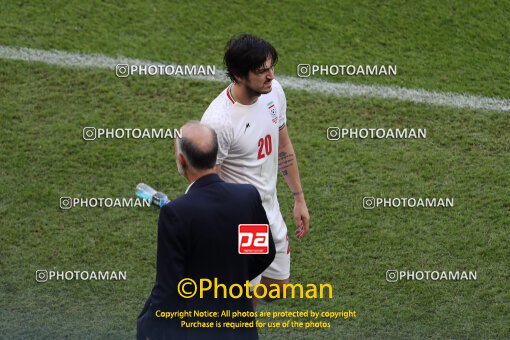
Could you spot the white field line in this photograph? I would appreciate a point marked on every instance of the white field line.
(345, 89)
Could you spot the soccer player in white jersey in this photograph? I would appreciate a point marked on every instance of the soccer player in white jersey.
(249, 117)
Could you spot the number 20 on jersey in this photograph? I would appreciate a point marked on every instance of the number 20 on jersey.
(265, 147)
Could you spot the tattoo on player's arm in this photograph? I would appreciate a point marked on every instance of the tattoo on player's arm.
(285, 160)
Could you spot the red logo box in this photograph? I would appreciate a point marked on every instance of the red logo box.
(253, 238)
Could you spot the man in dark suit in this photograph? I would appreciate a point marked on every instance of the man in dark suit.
(198, 239)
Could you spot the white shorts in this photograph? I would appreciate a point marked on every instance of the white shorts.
(279, 269)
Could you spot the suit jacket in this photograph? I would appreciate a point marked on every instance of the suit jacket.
(198, 239)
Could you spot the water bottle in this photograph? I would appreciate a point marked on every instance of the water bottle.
(152, 196)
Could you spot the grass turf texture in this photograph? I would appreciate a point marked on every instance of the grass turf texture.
(437, 45)
(44, 158)
(465, 156)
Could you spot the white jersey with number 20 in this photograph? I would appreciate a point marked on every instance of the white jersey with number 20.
(248, 141)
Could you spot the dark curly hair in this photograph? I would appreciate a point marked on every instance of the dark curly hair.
(245, 53)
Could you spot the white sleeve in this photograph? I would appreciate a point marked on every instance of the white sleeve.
(282, 119)
(224, 130)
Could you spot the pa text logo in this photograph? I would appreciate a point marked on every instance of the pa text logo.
(253, 239)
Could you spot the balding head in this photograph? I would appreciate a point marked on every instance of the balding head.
(198, 145)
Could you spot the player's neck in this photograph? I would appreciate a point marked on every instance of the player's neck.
(244, 95)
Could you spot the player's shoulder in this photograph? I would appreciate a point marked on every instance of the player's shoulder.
(278, 91)
(218, 112)
(276, 85)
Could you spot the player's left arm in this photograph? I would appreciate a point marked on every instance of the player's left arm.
(287, 163)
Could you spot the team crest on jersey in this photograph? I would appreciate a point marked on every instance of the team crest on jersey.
(272, 111)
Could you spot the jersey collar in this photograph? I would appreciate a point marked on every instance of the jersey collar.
(229, 94)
